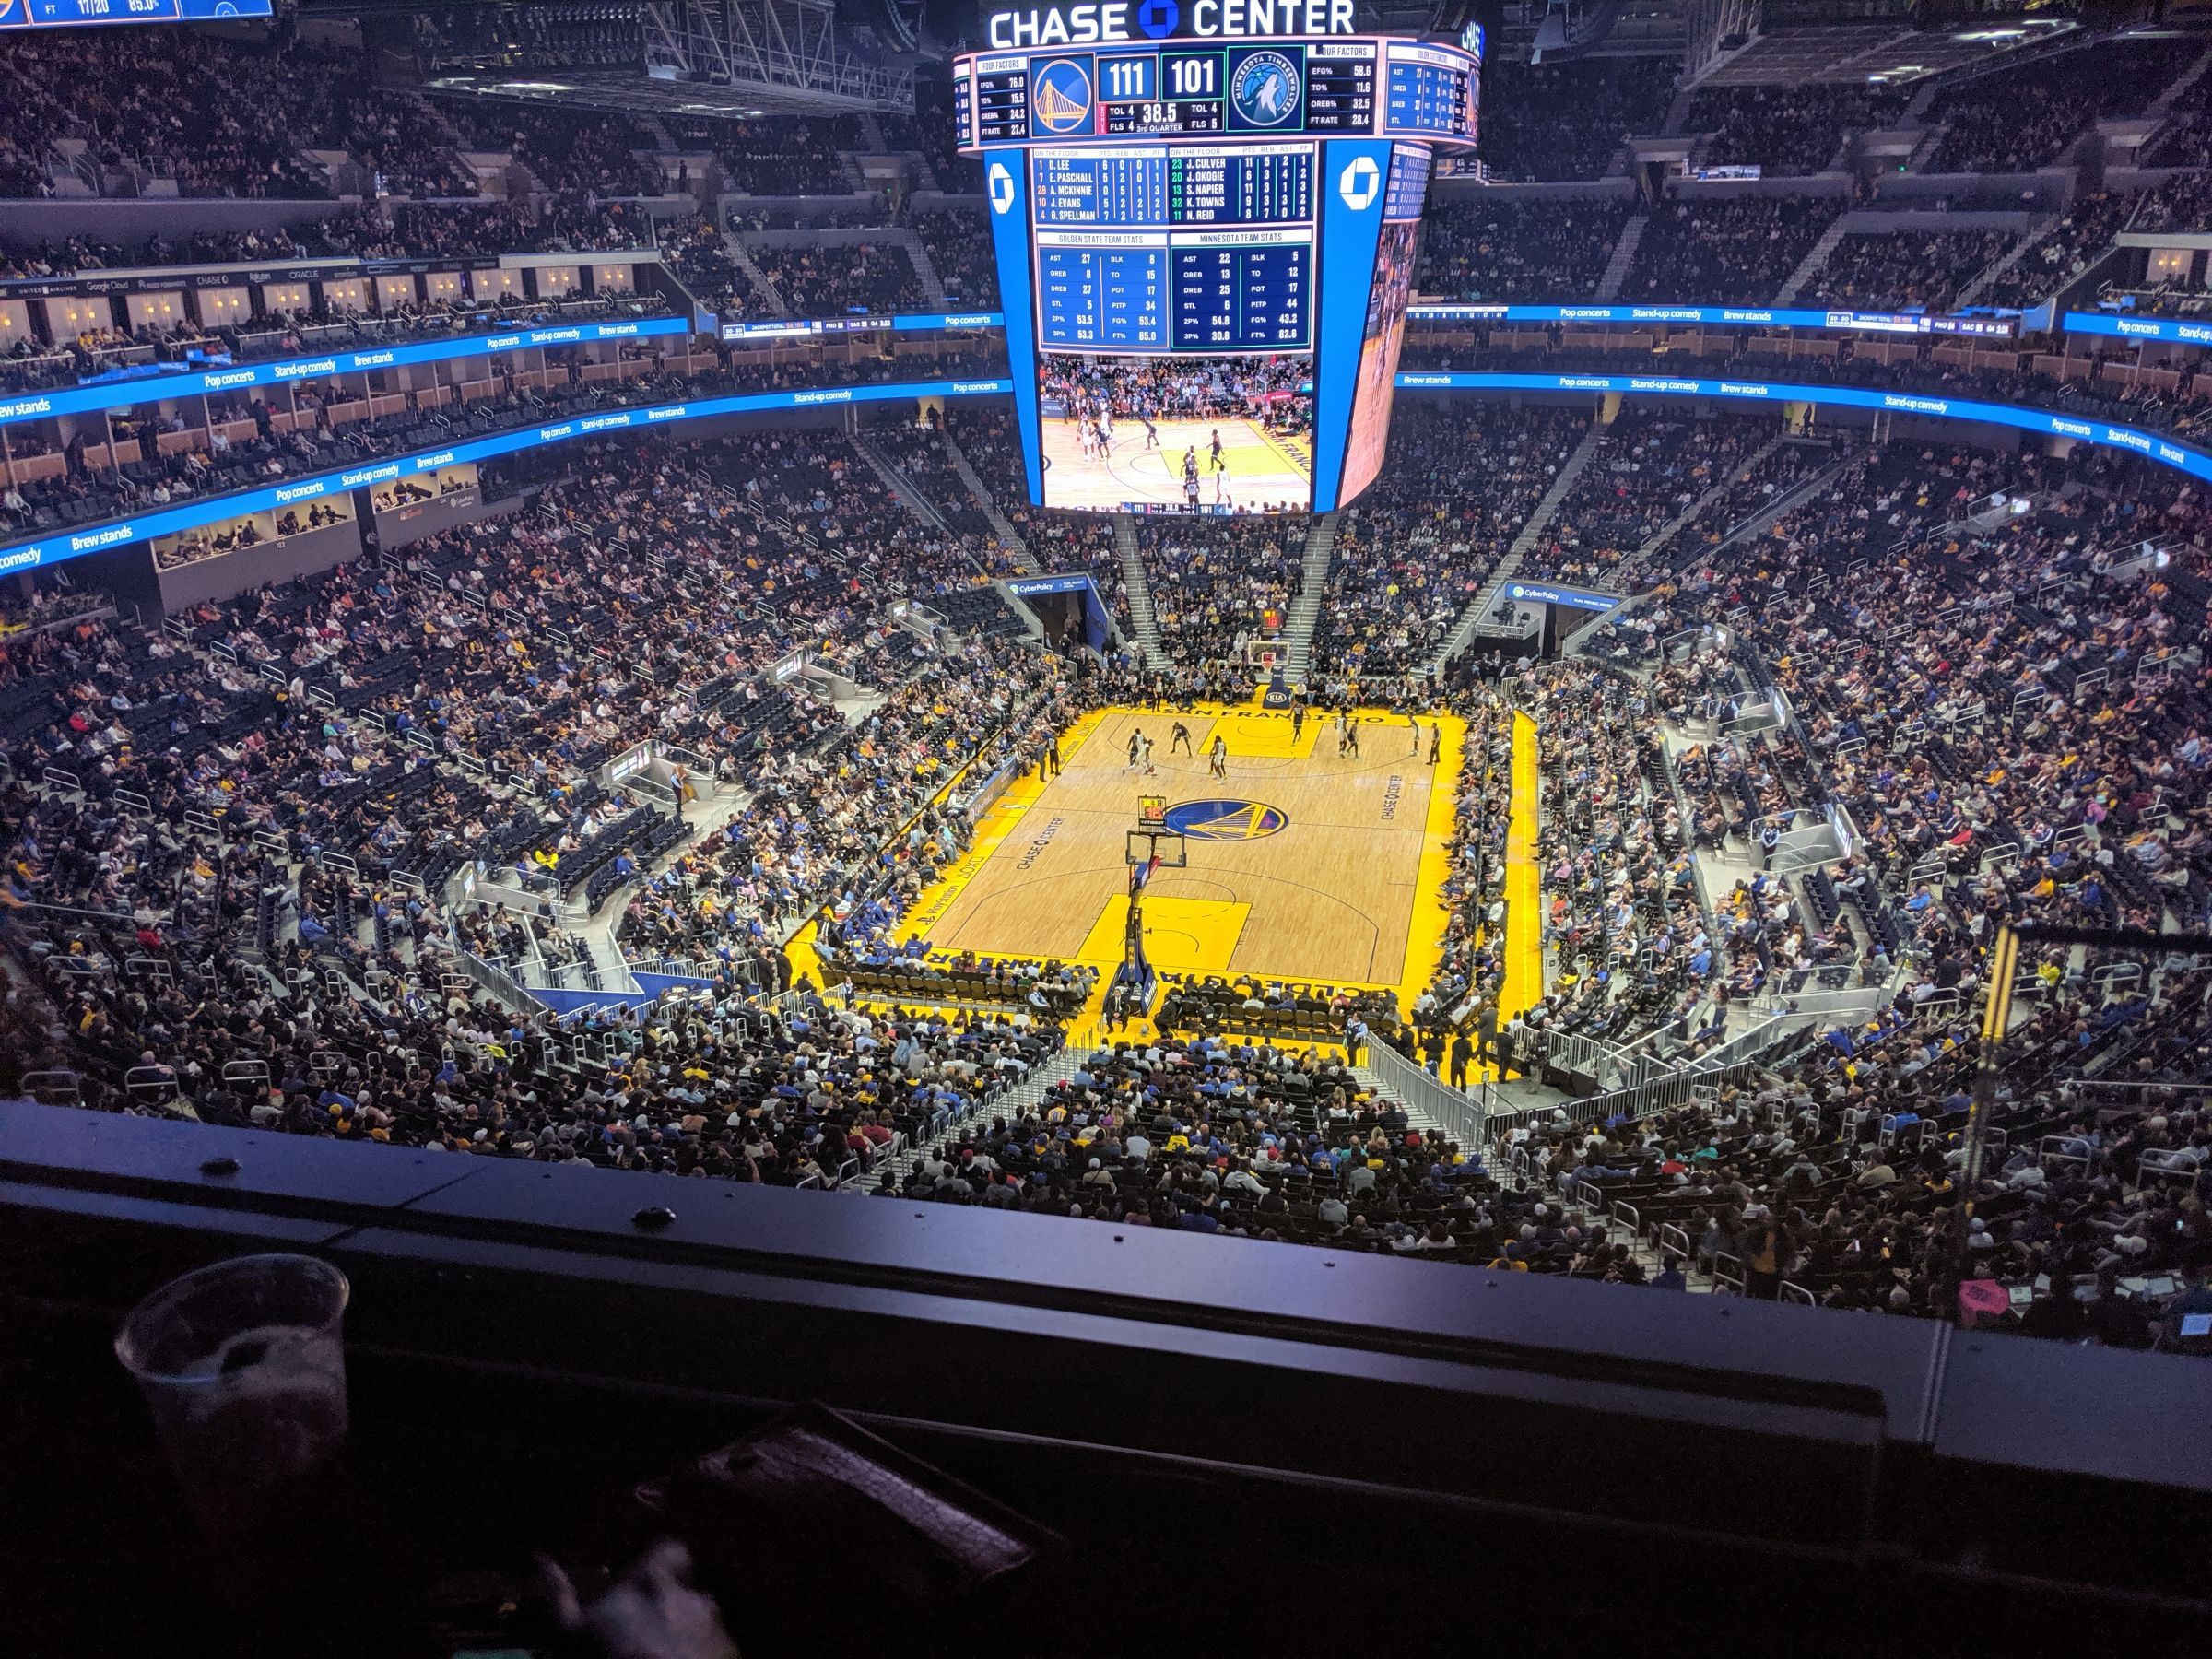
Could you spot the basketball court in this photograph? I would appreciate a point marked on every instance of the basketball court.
(1259, 466)
(1299, 865)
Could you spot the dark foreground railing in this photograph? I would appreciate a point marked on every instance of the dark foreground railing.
(1246, 1446)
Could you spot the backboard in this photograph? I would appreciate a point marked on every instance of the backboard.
(1167, 844)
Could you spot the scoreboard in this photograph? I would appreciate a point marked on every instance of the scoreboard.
(1160, 201)
(1337, 88)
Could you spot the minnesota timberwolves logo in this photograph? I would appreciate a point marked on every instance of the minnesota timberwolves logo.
(1062, 102)
(1227, 820)
(1265, 91)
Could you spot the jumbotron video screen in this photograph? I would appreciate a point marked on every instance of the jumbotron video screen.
(1205, 241)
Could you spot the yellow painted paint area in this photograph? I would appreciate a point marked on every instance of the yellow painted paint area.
(1523, 898)
(1182, 935)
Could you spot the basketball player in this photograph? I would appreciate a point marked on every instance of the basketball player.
(1190, 464)
(1136, 747)
(1218, 462)
(1351, 737)
(1343, 736)
(1149, 768)
(1151, 433)
(1179, 738)
(1415, 722)
(1217, 757)
(1298, 720)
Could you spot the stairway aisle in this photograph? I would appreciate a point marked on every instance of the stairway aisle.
(1809, 266)
(1142, 611)
(1305, 610)
(1472, 620)
(1623, 256)
(2037, 230)
(1001, 526)
(926, 269)
(764, 286)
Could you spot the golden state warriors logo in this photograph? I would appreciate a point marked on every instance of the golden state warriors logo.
(1061, 104)
(1227, 820)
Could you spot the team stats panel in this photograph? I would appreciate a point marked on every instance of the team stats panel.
(1184, 290)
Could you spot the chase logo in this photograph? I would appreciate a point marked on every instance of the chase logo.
(1227, 820)
(1157, 18)
(1265, 91)
(1061, 104)
(1002, 188)
(1359, 184)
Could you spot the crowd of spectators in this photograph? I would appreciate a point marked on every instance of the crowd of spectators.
(589, 152)
(328, 424)
(220, 117)
(1875, 270)
(2015, 119)
(1413, 551)
(1214, 586)
(2180, 409)
(959, 247)
(926, 562)
(1653, 465)
(1711, 250)
(1839, 1179)
(1567, 121)
(1788, 130)
(2185, 135)
(2061, 252)
(1624, 928)
(699, 255)
(826, 281)
(776, 155)
(1210, 1136)
(1493, 247)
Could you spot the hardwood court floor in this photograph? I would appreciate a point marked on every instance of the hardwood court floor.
(1307, 867)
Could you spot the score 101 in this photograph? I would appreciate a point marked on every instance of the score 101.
(1187, 74)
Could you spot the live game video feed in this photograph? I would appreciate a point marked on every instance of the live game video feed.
(1205, 435)
(1377, 388)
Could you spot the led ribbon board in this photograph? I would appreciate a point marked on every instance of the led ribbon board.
(75, 542)
(158, 388)
(2182, 457)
